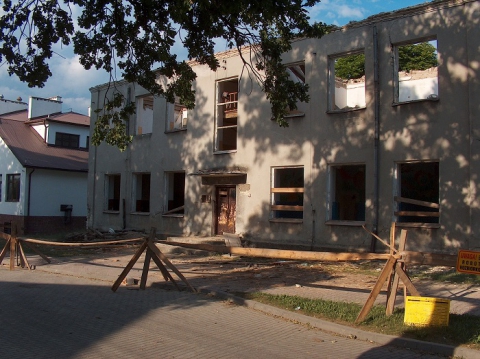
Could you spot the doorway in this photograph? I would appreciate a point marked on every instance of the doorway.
(226, 209)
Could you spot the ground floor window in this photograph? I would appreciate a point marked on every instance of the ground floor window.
(418, 192)
(141, 192)
(112, 191)
(175, 193)
(13, 187)
(347, 192)
(287, 192)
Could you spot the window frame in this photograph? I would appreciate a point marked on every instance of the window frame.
(64, 137)
(8, 193)
(331, 93)
(427, 206)
(144, 126)
(275, 207)
(139, 190)
(332, 196)
(110, 179)
(396, 76)
(178, 211)
(231, 110)
(299, 76)
(171, 114)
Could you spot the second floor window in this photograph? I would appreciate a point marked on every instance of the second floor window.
(226, 115)
(346, 88)
(67, 140)
(144, 110)
(176, 117)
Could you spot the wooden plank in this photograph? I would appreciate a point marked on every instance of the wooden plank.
(395, 280)
(13, 251)
(175, 210)
(376, 289)
(76, 244)
(417, 202)
(4, 250)
(23, 257)
(160, 255)
(146, 268)
(282, 253)
(287, 190)
(166, 275)
(36, 251)
(417, 214)
(129, 266)
(279, 207)
(406, 281)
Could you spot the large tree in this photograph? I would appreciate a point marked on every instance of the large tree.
(137, 36)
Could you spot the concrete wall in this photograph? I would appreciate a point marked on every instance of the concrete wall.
(445, 131)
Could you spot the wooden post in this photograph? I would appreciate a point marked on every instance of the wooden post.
(152, 253)
(393, 285)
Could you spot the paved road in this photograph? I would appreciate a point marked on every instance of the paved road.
(50, 315)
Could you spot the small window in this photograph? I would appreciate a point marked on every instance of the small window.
(67, 140)
(13, 187)
(416, 71)
(226, 115)
(347, 82)
(347, 192)
(141, 192)
(287, 193)
(418, 193)
(175, 193)
(296, 73)
(144, 110)
(112, 191)
(177, 116)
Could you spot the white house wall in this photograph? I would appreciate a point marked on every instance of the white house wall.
(50, 189)
(10, 165)
(54, 127)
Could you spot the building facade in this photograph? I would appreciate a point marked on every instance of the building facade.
(43, 167)
(395, 143)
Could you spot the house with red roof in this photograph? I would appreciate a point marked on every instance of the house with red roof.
(43, 166)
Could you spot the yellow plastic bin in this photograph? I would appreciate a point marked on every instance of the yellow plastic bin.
(425, 311)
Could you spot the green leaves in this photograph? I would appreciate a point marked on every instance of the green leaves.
(138, 36)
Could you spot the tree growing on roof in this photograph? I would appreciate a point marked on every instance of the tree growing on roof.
(136, 35)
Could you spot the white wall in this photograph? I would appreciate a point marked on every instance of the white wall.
(54, 127)
(50, 189)
(10, 165)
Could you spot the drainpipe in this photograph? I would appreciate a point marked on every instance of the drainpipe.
(376, 160)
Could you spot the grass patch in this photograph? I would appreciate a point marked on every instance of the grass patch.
(462, 329)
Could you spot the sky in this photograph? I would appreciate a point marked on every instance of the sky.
(72, 82)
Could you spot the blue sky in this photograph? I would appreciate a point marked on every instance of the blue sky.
(72, 82)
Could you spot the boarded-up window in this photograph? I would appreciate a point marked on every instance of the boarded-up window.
(287, 192)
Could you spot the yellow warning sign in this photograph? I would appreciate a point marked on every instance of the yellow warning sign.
(468, 262)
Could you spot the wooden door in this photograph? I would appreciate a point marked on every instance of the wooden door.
(226, 210)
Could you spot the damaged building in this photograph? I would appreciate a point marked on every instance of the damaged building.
(390, 144)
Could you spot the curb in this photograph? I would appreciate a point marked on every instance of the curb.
(349, 332)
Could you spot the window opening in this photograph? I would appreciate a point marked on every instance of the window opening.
(347, 82)
(419, 191)
(287, 192)
(348, 193)
(112, 190)
(296, 73)
(13, 187)
(67, 140)
(175, 196)
(144, 110)
(227, 115)
(416, 69)
(177, 116)
(142, 192)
